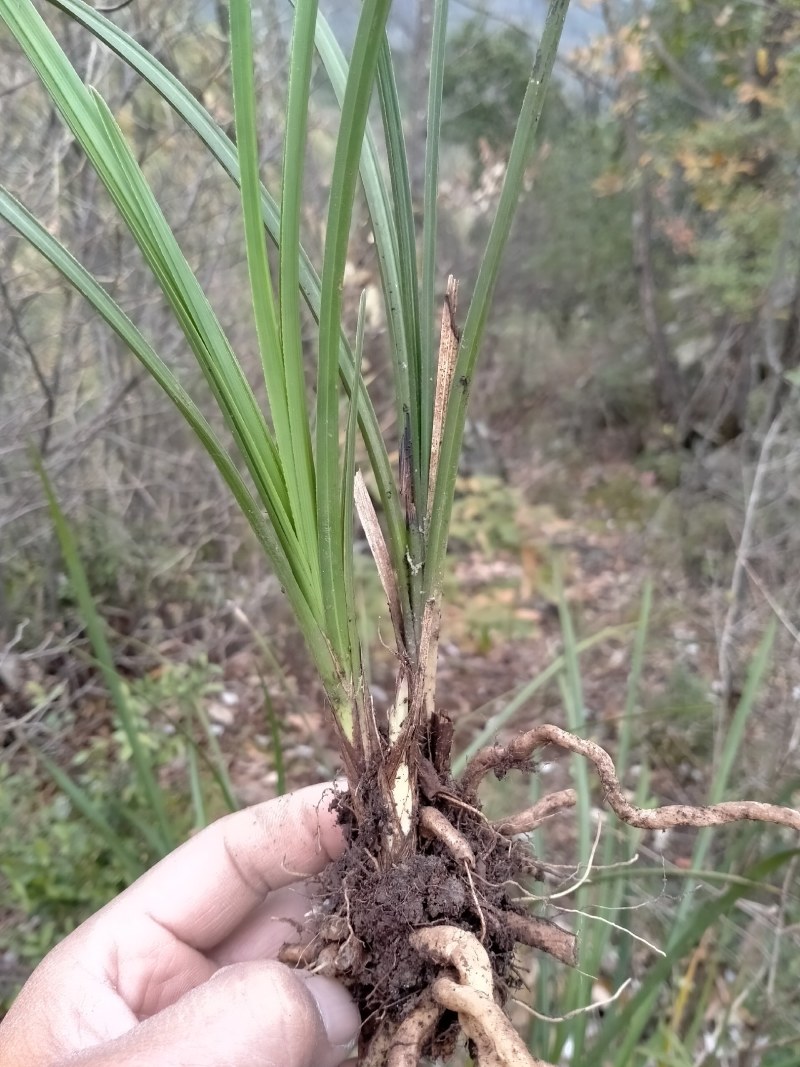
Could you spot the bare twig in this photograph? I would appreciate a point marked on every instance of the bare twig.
(777, 610)
(520, 750)
(738, 581)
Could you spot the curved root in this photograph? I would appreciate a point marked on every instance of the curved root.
(545, 935)
(525, 821)
(458, 949)
(496, 1042)
(520, 750)
(413, 1034)
(379, 1050)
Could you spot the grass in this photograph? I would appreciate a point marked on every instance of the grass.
(291, 466)
(675, 908)
(679, 909)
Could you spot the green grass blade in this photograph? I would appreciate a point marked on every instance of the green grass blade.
(523, 695)
(410, 366)
(474, 326)
(98, 134)
(738, 725)
(95, 628)
(111, 156)
(276, 742)
(262, 296)
(139, 824)
(578, 983)
(427, 376)
(216, 761)
(687, 907)
(178, 97)
(621, 1030)
(290, 249)
(381, 214)
(196, 788)
(348, 508)
(732, 745)
(634, 677)
(83, 803)
(280, 367)
(355, 107)
(572, 694)
(28, 227)
(94, 127)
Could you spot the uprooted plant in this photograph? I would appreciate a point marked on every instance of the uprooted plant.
(419, 917)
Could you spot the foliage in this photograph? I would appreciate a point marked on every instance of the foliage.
(597, 283)
(727, 180)
(723, 198)
(484, 82)
(43, 842)
(44, 835)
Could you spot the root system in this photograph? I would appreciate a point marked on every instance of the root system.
(428, 945)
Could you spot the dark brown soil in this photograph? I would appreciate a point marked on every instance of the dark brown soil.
(370, 906)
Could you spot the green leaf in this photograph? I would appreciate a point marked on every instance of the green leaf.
(408, 367)
(348, 508)
(381, 212)
(614, 1043)
(95, 628)
(475, 324)
(355, 107)
(80, 799)
(178, 97)
(427, 373)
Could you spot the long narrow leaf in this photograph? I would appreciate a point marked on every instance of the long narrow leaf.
(95, 628)
(427, 375)
(83, 803)
(355, 107)
(620, 1031)
(516, 701)
(379, 205)
(178, 97)
(292, 190)
(99, 136)
(21, 219)
(348, 508)
(409, 366)
(474, 326)
(262, 297)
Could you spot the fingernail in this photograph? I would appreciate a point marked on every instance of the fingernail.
(337, 1009)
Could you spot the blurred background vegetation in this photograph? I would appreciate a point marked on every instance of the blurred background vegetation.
(634, 432)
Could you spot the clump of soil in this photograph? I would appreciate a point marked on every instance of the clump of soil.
(370, 907)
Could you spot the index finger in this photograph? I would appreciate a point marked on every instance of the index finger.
(201, 892)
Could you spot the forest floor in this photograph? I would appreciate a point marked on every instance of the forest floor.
(601, 530)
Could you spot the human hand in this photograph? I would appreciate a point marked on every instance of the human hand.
(179, 970)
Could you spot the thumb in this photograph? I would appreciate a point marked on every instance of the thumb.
(255, 1014)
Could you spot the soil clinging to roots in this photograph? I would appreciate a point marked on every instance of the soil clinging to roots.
(459, 876)
(425, 937)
